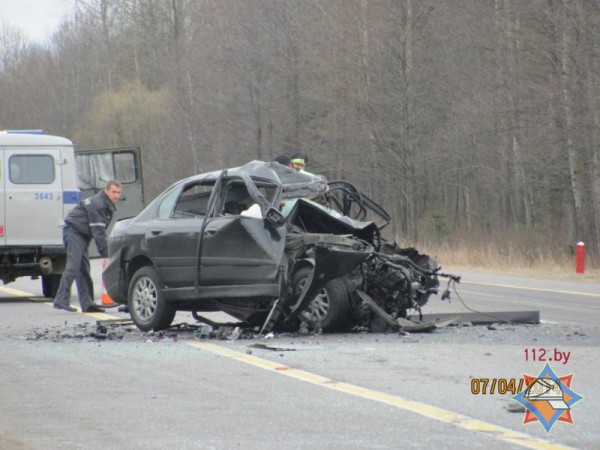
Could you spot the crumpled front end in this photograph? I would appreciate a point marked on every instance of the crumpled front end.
(382, 280)
(320, 258)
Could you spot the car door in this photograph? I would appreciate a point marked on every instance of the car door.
(237, 247)
(172, 238)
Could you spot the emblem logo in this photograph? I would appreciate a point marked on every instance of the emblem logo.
(548, 398)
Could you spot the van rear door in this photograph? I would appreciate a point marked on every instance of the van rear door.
(33, 178)
(97, 166)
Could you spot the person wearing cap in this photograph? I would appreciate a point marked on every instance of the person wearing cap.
(299, 161)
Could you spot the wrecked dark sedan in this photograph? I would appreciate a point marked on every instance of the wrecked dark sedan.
(273, 247)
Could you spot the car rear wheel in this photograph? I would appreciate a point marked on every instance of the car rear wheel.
(330, 307)
(148, 309)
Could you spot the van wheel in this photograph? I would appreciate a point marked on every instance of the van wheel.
(149, 311)
(330, 307)
(50, 285)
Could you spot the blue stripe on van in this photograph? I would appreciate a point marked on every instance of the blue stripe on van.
(71, 197)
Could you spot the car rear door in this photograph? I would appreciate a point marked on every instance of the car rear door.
(172, 238)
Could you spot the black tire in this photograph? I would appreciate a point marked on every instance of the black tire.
(147, 308)
(50, 285)
(330, 308)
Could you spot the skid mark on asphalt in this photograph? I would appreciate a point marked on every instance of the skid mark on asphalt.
(556, 291)
(430, 411)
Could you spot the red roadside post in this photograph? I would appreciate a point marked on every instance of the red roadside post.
(580, 258)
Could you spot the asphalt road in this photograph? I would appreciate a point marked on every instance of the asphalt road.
(61, 388)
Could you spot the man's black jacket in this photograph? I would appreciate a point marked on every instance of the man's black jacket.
(91, 218)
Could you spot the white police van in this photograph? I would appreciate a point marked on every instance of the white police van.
(39, 185)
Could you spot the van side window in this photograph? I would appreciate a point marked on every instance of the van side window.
(125, 167)
(95, 169)
(31, 169)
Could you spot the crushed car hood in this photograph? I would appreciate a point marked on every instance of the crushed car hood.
(316, 218)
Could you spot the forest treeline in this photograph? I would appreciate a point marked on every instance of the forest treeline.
(473, 122)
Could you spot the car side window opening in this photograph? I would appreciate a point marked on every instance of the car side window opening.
(193, 201)
(166, 205)
(268, 191)
(237, 199)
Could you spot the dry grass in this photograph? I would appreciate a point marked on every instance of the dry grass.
(510, 253)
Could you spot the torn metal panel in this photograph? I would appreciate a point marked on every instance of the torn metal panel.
(415, 326)
(380, 312)
(314, 218)
(488, 317)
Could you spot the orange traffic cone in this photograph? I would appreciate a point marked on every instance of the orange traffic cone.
(107, 302)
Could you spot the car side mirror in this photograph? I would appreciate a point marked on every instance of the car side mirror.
(274, 218)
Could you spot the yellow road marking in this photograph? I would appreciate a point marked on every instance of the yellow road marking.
(423, 409)
(16, 292)
(557, 291)
(19, 293)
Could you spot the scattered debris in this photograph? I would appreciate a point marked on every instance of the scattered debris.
(235, 334)
(275, 349)
(125, 329)
(204, 331)
(214, 324)
(513, 406)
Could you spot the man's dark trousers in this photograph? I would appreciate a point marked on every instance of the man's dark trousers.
(77, 269)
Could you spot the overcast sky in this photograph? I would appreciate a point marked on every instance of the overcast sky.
(38, 19)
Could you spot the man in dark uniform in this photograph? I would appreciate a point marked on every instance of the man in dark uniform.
(88, 220)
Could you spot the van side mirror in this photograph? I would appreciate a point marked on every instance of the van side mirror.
(274, 218)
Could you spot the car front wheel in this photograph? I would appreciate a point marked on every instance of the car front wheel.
(330, 308)
(148, 309)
